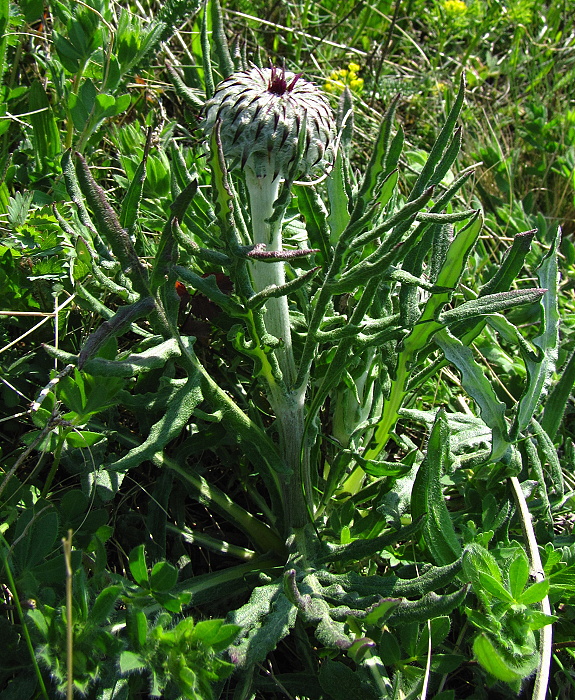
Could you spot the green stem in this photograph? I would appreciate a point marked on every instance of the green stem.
(69, 121)
(374, 665)
(289, 411)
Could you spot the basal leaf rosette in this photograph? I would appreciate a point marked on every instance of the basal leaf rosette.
(262, 112)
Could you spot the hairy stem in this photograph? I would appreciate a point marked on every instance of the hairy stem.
(263, 193)
(287, 403)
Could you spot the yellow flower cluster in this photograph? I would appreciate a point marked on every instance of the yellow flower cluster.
(454, 7)
(340, 79)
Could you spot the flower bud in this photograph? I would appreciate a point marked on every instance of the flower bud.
(262, 112)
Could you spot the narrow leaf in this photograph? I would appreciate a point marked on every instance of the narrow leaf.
(494, 588)
(558, 399)
(478, 386)
(110, 227)
(539, 373)
(427, 495)
(133, 196)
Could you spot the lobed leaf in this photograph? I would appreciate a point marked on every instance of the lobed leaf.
(179, 411)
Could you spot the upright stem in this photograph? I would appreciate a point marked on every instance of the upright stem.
(536, 566)
(287, 403)
(263, 193)
(289, 411)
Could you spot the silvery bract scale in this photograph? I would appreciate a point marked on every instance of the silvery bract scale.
(262, 111)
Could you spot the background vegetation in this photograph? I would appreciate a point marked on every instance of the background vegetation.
(174, 578)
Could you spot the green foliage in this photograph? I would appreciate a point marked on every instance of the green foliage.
(363, 525)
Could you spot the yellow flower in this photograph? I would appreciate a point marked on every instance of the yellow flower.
(334, 86)
(340, 79)
(454, 7)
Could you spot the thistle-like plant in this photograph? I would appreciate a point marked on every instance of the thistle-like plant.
(340, 345)
(274, 126)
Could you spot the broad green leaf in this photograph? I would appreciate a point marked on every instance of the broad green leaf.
(496, 662)
(484, 622)
(389, 649)
(537, 619)
(439, 628)
(131, 202)
(35, 537)
(564, 578)
(82, 104)
(69, 55)
(446, 663)
(518, 575)
(494, 588)
(171, 602)
(535, 593)
(340, 682)
(215, 633)
(45, 133)
(319, 225)
(130, 662)
(104, 101)
(163, 576)
(380, 612)
(49, 572)
(83, 438)
(476, 560)
(360, 647)
(136, 627)
(138, 566)
(338, 216)
(558, 398)
(104, 605)
(39, 619)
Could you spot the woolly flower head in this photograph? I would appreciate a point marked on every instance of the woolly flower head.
(262, 112)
